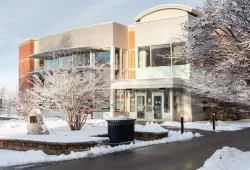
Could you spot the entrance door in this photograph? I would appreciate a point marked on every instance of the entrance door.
(140, 105)
(158, 104)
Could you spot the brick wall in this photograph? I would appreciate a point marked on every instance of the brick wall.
(26, 65)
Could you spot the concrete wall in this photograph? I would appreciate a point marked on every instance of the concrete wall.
(101, 35)
(120, 36)
(160, 32)
(197, 111)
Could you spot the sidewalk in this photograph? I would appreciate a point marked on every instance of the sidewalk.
(187, 155)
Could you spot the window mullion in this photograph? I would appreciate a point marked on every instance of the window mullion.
(171, 55)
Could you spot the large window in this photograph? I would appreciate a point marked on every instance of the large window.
(102, 58)
(64, 62)
(50, 64)
(144, 56)
(82, 59)
(177, 60)
(161, 55)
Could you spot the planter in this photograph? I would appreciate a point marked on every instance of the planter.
(121, 131)
(148, 136)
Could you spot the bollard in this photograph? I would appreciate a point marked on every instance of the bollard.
(182, 125)
(213, 121)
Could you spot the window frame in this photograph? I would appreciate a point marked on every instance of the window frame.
(151, 57)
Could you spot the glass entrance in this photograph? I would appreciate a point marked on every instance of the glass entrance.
(141, 100)
(158, 105)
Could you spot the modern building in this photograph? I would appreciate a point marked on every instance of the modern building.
(144, 59)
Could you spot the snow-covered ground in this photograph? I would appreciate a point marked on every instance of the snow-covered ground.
(59, 131)
(150, 127)
(228, 159)
(11, 158)
(206, 125)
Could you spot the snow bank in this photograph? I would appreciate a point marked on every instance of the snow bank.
(12, 158)
(150, 127)
(206, 125)
(121, 117)
(97, 122)
(54, 138)
(59, 129)
(228, 159)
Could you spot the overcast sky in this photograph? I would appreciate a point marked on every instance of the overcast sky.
(22, 19)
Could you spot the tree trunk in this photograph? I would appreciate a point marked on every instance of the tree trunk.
(77, 121)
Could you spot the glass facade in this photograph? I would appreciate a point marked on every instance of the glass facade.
(132, 101)
(144, 57)
(176, 54)
(82, 59)
(120, 101)
(160, 55)
(102, 58)
(64, 62)
(50, 64)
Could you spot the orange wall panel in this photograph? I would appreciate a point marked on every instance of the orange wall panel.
(131, 59)
(131, 74)
(131, 37)
(131, 53)
(25, 64)
(24, 83)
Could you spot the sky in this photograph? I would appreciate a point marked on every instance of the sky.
(23, 19)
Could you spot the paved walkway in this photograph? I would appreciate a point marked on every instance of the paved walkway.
(187, 155)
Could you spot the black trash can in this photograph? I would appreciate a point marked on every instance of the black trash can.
(121, 131)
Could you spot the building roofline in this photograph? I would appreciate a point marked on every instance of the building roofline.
(26, 40)
(168, 6)
(87, 26)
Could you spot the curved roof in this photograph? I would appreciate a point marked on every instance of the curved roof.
(168, 6)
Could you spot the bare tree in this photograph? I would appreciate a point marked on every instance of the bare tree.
(218, 49)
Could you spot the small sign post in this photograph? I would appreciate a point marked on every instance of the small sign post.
(182, 125)
(213, 121)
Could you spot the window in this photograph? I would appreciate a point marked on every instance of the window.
(64, 62)
(132, 101)
(82, 59)
(177, 60)
(102, 58)
(161, 55)
(50, 64)
(144, 57)
(120, 101)
(166, 101)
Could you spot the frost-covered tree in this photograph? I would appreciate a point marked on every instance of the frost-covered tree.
(72, 93)
(218, 48)
(22, 104)
(3, 93)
